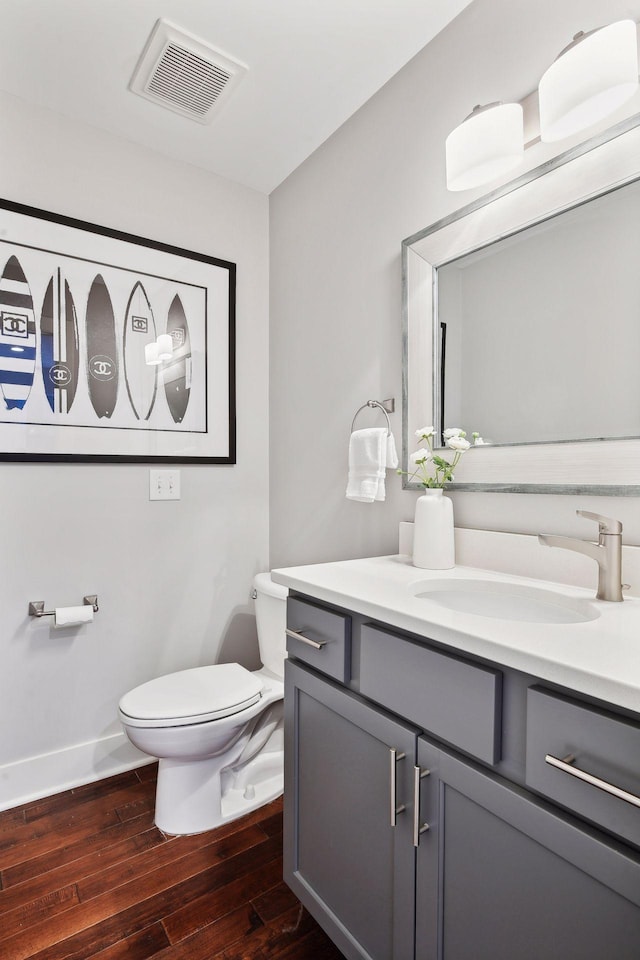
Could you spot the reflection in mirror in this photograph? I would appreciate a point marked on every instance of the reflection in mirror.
(539, 333)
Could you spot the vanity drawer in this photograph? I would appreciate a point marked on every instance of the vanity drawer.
(450, 698)
(602, 745)
(324, 637)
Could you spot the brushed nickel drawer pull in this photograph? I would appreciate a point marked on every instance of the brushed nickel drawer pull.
(566, 766)
(317, 644)
(394, 757)
(418, 828)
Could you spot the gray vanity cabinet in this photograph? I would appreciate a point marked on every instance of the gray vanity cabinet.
(495, 853)
(516, 878)
(351, 868)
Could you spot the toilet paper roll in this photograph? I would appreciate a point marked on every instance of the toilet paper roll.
(72, 616)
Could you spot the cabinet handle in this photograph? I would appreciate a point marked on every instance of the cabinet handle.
(318, 644)
(418, 828)
(394, 757)
(565, 766)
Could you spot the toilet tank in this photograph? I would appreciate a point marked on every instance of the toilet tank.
(271, 620)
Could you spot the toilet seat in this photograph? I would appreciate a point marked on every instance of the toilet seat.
(191, 696)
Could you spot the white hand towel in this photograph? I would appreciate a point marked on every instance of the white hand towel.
(392, 456)
(367, 464)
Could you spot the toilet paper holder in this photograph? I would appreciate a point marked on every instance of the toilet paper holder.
(36, 607)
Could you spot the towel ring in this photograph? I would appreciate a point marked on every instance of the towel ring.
(387, 407)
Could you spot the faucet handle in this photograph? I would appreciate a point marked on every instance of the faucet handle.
(606, 524)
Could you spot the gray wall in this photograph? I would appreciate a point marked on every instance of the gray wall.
(336, 225)
(173, 578)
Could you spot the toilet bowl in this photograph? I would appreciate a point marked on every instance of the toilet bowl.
(217, 730)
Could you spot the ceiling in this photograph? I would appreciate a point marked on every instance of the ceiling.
(312, 64)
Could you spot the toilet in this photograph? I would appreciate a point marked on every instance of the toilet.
(218, 731)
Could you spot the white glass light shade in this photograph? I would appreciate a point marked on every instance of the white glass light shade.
(589, 80)
(165, 346)
(151, 357)
(485, 145)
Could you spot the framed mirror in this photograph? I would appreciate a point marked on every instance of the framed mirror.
(521, 321)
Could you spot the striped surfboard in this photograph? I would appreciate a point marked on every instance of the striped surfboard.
(177, 371)
(17, 336)
(60, 358)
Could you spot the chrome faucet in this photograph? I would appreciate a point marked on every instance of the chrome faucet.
(607, 553)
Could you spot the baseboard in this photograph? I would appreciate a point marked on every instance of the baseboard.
(49, 773)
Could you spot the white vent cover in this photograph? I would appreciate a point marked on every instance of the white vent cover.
(184, 74)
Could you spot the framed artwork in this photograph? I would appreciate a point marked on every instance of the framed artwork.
(112, 347)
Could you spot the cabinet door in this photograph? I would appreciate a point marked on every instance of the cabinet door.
(516, 877)
(351, 868)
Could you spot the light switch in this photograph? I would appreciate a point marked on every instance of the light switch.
(164, 484)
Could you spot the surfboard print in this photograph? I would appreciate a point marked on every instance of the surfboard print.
(17, 336)
(177, 371)
(139, 330)
(60, 358)
(102, 352)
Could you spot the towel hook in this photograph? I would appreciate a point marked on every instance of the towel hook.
(387, 407)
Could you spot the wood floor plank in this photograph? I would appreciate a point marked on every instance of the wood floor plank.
(272, 825)
(314, 945)
(235, 926)
(131, 907)
(46, 832)
(83, 876)
(38, 825)
(12, 818)
(274, 902)
(95, 862)
(86, 845)
(270, 939)
(213, 904)
(201, 853)
(148, 772)
(36, 911)
(44, 836)
(139, 946)
(131, 810)
(68, 799)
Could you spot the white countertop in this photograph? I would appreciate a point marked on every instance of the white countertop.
(600, 657)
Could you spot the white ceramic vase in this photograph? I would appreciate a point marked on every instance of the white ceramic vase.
(433, 543)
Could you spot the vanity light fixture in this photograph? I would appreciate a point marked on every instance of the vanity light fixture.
(488, 143)
(591, 77)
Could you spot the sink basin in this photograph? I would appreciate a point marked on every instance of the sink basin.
(500, 600)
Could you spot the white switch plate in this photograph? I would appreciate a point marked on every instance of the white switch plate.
(164, 484)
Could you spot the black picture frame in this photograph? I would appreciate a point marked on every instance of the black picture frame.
(80, 306)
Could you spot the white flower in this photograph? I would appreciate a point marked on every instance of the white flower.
(479, 442)
(458, 443)
(432, 468)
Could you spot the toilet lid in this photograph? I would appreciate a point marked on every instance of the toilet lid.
(191, 696)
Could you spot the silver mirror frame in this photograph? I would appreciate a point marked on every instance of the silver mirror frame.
(601, 164)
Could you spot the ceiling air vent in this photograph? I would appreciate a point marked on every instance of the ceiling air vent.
(184, 74)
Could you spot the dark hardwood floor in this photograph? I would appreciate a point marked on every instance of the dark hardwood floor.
(87, 874)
